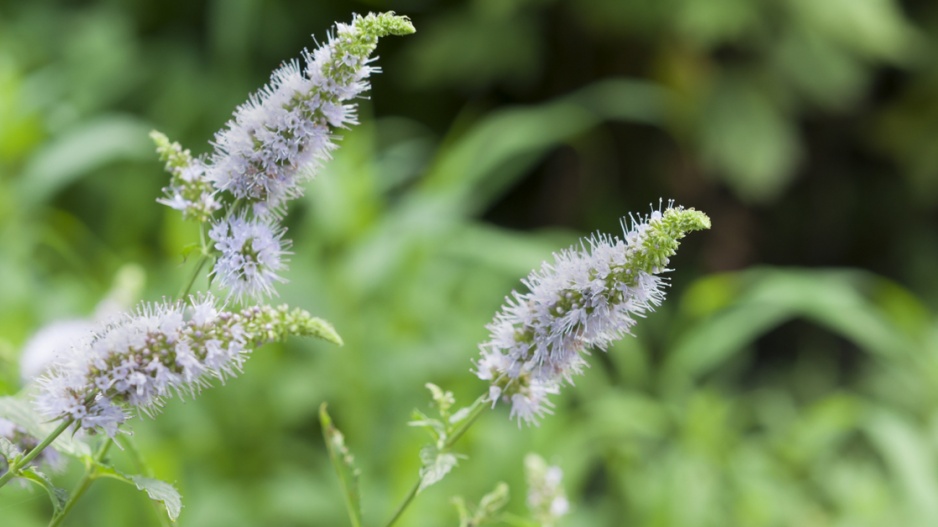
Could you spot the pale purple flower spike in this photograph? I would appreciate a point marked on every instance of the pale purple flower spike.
(587, 298)
(280, 137)
(137, 360)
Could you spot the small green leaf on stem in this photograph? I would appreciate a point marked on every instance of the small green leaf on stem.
(436, 464)
(56, 495)
(160, 491)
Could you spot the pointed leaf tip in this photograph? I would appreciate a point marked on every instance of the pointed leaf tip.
(343, 463)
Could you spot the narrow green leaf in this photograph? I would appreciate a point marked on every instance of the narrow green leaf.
(908, 455)
(434, 427)
(343, 462)
(79, 152)
(57, 496)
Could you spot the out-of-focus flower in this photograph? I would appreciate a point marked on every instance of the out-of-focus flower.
(546, 498)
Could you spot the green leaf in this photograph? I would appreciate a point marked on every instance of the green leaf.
(907, 453)
(343, 461)
(435, 427)
(8, 450)
(748, 140)
(157, 490)
(436, 465)
(160, 491)
(490, 505)
(442, 399)
(81, 151)
(56, 495)
(758, 300)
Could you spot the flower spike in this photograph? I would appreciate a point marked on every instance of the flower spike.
(588, 297)
(161, 350)
(279, 138)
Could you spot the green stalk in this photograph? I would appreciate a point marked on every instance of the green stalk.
(89, 476)
(203, 259)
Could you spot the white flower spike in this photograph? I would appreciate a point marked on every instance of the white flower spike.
(588, 297)
(162, 350)
(278, 139)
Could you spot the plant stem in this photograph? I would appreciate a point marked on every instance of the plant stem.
(14, 469)
(479, 406)
(203, 259)
(407, 499)
(83, 484)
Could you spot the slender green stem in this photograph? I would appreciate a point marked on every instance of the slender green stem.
(89, 476)
(480, 405)
(203, 259)
(476, 410)
(14, 469)
(407, 499)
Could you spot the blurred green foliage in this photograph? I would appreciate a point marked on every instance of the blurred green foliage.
(791, 379)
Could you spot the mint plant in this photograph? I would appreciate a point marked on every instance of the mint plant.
(587, 297)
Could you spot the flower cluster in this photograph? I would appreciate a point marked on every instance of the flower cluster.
(274, 143)
(163, 349)
(280, 136)
(251, 255)
(587, 298)
(189, 191)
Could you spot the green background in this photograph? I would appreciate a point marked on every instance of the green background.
(790, 379)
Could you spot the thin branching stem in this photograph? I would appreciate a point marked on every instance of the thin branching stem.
(476, 410)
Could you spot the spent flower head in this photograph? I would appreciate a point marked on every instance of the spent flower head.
(587, 298)
(161, 350)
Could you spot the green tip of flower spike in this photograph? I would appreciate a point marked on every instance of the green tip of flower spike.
(159, 138)
(385, 24)
(664, 236)
(686, 220)
(170, 153)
